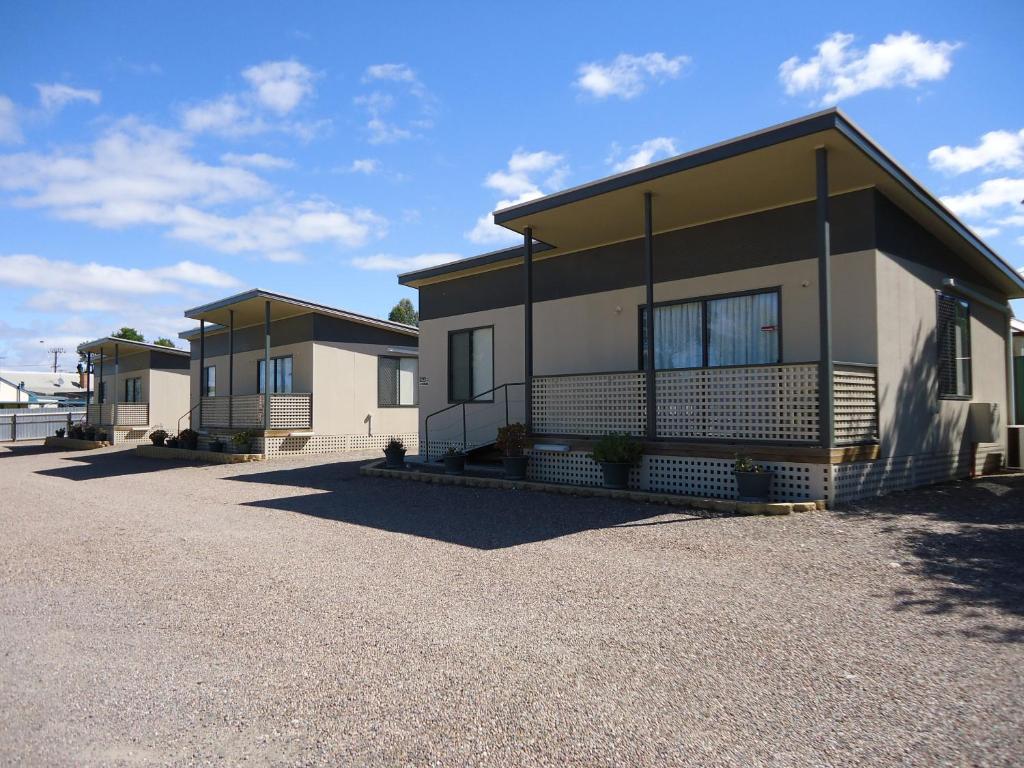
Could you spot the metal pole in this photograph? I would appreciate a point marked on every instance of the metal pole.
(266, 367)
(202, 371)
(826, 403)
(231, 367)
(88, 373)
(100, 391)
(465, 446)
(117, 372)
(649, 376)
(528, 325)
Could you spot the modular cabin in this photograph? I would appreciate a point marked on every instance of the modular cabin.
(135, 387)
(808, 303)
(334, 380)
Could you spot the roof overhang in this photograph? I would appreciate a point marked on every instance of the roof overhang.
(125, 347)
(771, 168)
(249, 309)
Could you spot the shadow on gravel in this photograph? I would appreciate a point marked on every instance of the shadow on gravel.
(968, 541)
(482, 518)
(108, 463)
(13, 450)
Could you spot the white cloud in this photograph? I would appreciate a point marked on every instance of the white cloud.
(643, 154)
(280, 85)
(379, 105)
(987, 198)
(627, 75)
(518, 182)
(259, 160)
(983, 231)
(841, 71)
(137, 175)
(196, 274)
(996, 150)
(397, 72)
(53, 97)
(222, 115)
(10, 131)
(388, 263)
(365, 165)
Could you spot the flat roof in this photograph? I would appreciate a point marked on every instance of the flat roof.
(248, 307)
(126, 347)
(769, 168)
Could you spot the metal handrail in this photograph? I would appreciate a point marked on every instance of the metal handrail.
(472, 401)
(188, 415)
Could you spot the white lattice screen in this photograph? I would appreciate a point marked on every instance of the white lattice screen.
(299, 445)
(214, 411)
(291, 411)
(589, 404)
(777, 403)
(131, 414)
(855, 393)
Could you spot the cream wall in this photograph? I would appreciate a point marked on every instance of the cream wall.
(913, 419)
(345, 393)
(168, 397)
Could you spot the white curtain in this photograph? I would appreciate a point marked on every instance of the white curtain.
(743, 330)
(483, 360)
(407, 381)
(678, 336)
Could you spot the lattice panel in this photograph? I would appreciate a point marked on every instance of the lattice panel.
(246, 411)
(855, 393)
(589, 404)
(214, 412)
(300, 445)
(130, 436)
(132, 414)
(777, 403)
(291, 411)
(573, 468)
(366, 442)
(99, 414)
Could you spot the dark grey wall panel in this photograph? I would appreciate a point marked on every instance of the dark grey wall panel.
(328, 328)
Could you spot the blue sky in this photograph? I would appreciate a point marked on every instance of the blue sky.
(157, 155)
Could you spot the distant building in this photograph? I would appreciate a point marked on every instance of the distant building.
(27, 389)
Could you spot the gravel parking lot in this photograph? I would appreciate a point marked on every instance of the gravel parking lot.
(295, 613)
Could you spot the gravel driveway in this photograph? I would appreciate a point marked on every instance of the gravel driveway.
(294, 613)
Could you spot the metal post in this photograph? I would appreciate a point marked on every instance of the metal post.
(100, 391)
(117, 372)
(231, 367)
(826, 402)
(465, 446)
(202, 369)
(649, 376)
(266, 368)
(14, 424)
(88, 373)
(528, 325)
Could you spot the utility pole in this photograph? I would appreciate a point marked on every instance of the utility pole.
(55, 351)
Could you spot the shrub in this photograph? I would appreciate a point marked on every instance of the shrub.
(158, 436)
(394, 444)
(60, 432)
(102, 436)
(242, 440)
(746, 464)
(188, 438)
(90, 432)
(77, 433)
(617, 448)
(512, 439)
(453, 451)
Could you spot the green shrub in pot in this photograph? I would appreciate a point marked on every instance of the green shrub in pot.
(617, 453)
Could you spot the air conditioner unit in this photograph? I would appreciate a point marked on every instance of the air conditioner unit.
(1015, 445)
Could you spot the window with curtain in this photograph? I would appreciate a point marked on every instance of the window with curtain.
(210, 380)
(133, 390)
(470, 364)
(954, 345)
(280, 375)
(731, 330)
(396, 381)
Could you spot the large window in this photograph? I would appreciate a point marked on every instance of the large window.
(280, 374)
(133, 390)
(716, 331)
(954, 342)
(210, 380)
(396, 381)
(471, 365)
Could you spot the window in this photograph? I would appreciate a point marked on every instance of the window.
(471, 364)
(102, 393)
(713, 332)
(396, 381)
(954, 342)
(133, 390)
(210, 380)
(280, 373)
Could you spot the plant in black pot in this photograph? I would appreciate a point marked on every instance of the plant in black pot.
(241, 442)
(171, 441)
(617, 453)
(512, 442)
(454, 462)
(77, 432)
(188, 438)
(102, 436)
(753, 481)
(60, 432)
(394, 454)
(89, 433)
(158, 436)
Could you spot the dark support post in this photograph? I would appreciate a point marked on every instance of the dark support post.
(99, 389)
(266, 365)
(651, 390)
(88, 373)
(117, 398)
(528, 326)
(826, 402)
(231, 367)
(202, 369)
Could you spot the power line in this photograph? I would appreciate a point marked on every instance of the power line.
(55, 351)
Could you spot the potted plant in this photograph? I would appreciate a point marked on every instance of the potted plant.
(216, 446)
(753, 481)
(77, 432)
(171, 441)
(394, 454)
(60, 432)
(158, 436)
(101, 436)
(242, 441)
(616, 453)
(188, 438)
(454, 462)
(90, 432)
(512, 442)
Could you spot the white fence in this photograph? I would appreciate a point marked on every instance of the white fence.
(36, 423)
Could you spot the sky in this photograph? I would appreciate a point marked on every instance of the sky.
(158, 155)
